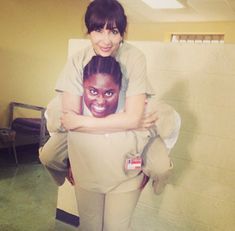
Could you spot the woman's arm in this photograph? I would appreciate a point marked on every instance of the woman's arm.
(130, 119)
(71, 103)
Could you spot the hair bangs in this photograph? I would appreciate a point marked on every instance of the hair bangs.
(99, 22)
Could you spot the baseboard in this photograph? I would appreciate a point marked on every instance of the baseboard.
(66, 217)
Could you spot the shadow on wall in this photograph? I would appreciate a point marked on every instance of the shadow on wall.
(177, 96)
(165, 208)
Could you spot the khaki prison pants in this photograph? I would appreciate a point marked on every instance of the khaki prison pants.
(106, 212)
(54, 156)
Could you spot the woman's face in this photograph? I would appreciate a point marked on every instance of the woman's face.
(106, 41)
(101, 95)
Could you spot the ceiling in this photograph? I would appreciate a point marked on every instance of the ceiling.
(194, 11)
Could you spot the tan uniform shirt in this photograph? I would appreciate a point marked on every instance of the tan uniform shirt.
(98, 160)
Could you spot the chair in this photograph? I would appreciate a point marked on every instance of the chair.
(7, 140)
(28, 130)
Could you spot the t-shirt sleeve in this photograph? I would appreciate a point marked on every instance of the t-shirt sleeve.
(70, 79)
(137, 76)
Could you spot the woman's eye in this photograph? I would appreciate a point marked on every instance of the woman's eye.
(99, 30)
(108, 93)
(93, 92)
(115, 31)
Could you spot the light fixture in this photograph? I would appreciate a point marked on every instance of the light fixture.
(164, 4)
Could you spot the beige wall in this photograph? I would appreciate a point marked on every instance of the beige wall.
(34, 38)
(198, 80)
(163, 31)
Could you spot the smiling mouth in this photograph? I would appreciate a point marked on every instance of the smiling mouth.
(98, 109)
(105, 49)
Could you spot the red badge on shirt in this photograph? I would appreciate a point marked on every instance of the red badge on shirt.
(133, 163)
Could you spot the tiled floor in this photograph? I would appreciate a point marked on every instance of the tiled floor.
(27, 195)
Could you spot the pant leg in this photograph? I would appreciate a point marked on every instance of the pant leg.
(106, 212)
(91, 208)
(54, 156)
(158, 165)
(119, 209)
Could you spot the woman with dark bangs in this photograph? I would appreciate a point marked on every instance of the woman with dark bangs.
(105, 204)
(106, 24)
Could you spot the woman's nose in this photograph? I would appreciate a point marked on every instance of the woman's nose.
(100, 99)
(106, 37)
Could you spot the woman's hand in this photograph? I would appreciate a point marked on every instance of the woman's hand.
(149, 120)
(70, 120)
(69, 176)
(144, 181)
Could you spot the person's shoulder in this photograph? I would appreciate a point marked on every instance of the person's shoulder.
(82, 53)
(82, 56)
(131, 47)
(129, 53)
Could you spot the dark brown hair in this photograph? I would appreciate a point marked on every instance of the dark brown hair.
(103, 65)
(102, 12)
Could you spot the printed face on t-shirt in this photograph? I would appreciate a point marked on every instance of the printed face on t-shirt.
(101, 94)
